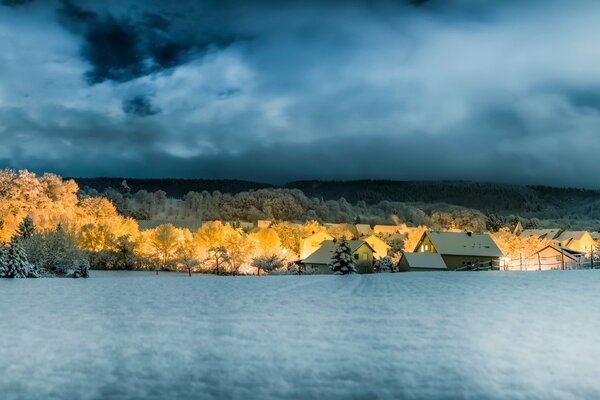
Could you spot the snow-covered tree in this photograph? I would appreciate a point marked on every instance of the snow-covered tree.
(384, 264)
(26, 228)
(219, 257)
(82, 270)
(14, 262)
(267, 263)
(342, 261)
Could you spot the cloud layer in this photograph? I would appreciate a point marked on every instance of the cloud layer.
(453, 89)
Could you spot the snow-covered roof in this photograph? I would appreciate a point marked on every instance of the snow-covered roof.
(464, 244)
(387, 228)
(595, 235)
(324, 253)
(570, 235)
(364, 229)
(372, 240)
(569, 253)
(324, 235)
(548, 234)
(424, 260)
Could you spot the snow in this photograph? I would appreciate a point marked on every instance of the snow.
(121, 335)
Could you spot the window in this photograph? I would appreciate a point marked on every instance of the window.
(422, 248)
(426, 247)
(356, 256)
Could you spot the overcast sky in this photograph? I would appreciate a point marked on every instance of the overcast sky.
(504, 91)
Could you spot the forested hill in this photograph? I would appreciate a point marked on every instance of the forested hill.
(490, 197)
(174, 187)
(481, 196)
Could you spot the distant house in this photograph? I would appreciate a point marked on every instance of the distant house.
(462, 250)
(364, 229)
(421, 262)
(379, 246)
(263, 223)
(311, 243)
(387, 229)
(518, 229)
(318, 262)
(547, 234)
(580, 241)
(555, 257)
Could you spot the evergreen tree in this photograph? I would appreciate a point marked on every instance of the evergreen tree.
(14, 262)
(82, 270)
(26, 228)
(342, 261)
(125, 189)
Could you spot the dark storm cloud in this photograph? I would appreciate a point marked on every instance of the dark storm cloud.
(439, 89)
(14, 3)
(134, 45)
(139, 105)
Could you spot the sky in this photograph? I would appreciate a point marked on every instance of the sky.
(502, 91)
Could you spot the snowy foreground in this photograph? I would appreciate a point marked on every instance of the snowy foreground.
(121, 335)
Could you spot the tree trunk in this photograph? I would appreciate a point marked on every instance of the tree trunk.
(190, 272)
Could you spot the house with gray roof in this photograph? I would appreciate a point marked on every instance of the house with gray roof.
(421, 262)
(318, 261)
(462, 250)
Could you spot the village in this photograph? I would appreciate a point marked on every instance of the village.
(375, 248)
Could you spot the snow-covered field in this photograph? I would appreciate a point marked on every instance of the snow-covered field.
(121, 335)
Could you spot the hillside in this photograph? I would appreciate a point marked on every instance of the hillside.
(174, 187)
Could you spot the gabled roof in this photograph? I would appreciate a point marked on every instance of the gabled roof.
(323, 234)
(324, 253)
(387, 228)
(548, 234)
(424, 260)
(571, 235)
(463, 244)
(572, 254)
(374, 238)
(364, 229)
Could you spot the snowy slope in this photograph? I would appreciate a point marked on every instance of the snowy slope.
(417, 335)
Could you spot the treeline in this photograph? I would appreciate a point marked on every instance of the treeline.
(282, 205)
(568, 208)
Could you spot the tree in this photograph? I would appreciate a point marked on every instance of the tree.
(164, 240)
(26, 228)
(412, 239)
(296, 268)
(267, 263)
(219, 257)
(124, 189)
(342, 261)
(384, 264)
(14, 262)
(493, 223)
(240, 249)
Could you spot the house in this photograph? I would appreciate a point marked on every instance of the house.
(518, 229)
(387, 229)
(462, 250)
(421, 262)
(363, 229)
(318, 262)
(311, 243)
(548, 234)
(580, 241)
(379, 246)
(263, 223)
(554, 257)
